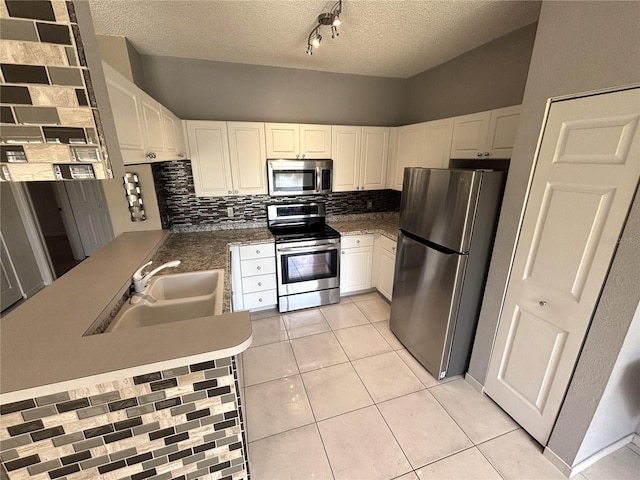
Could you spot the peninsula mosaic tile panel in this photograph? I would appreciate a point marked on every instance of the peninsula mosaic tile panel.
(180, 208)
(184, 422)
(49, 114)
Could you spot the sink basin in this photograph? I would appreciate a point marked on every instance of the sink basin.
(173, 298)
(184, 285)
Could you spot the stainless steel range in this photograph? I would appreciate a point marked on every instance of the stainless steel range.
(307, 255)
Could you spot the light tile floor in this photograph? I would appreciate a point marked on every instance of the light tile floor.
(332, 394)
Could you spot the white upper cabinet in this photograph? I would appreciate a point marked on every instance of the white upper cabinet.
(359, 157)
(147, 131)
(292, 140)
(227, 158)
(485, 134)
(210, 164)
(424, 144)
(247, 152)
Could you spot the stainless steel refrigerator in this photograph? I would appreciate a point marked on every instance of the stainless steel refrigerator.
(447, 226)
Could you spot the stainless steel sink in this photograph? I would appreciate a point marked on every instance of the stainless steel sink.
(173, 298)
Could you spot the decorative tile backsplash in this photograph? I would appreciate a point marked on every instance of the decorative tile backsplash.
(46, 95)
(181, 209)
(184, 422)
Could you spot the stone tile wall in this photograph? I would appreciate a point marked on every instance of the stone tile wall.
(50, 122)
(184, 422)
(181, 210)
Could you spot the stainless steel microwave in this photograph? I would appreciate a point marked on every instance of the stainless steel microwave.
(299, 177)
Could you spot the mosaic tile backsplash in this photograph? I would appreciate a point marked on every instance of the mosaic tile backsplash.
(181, 210)
(51, 127)
(184, 422)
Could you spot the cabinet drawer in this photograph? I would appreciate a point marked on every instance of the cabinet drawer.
(354, 241)
(387, 244)
(257, 266)
(259, 283)
(267, 298)
(261, 250)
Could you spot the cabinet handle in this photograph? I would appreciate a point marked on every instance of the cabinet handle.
(259, 267)
(343, 252)
(260, 300)
(230, 192)
(181, 155)
(258, 252)
(479, 154)
(303, 155)
(542, 303)
(259, 284)
(236, 192)
(150, 155)
(358, 242)
(486, 154)
(297, 156)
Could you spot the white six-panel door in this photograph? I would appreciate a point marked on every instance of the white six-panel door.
(586, 175)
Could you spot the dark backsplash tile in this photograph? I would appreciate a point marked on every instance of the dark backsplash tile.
(11, 94)
(24, 74)
(180, 207)
(54, 33)
(37, 9)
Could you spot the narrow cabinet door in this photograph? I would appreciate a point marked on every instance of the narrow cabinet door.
(209, 148)
(373, 166)
(470, 135)
(248, 154)
(154, 137)
(282, 140)
(345, 153)
(315, 141)
(437, 143)
(503, 127)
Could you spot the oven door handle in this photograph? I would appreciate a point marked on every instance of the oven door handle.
(310, 248)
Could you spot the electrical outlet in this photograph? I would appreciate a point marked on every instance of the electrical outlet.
(230, 212)
(369, 204)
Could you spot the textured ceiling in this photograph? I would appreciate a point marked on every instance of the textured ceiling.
(385, 38)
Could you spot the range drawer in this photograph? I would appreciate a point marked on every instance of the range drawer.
(258, 266)
(261, 250)
(354, 241)
(259, 283)
(260, 299)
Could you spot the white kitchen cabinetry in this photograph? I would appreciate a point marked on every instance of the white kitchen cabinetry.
(359, 157)
(424, 144)
(227, 158)
(147, 131)
(253, 277)
(384, 265)
(488, 134)
(356, 262)
(292, 140)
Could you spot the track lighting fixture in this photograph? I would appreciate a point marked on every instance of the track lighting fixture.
(331, 19)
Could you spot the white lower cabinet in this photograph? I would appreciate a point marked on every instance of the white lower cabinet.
(253, 277)
(384, 265)
(356, 262)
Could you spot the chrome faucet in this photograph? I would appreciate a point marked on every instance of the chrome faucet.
(140, 281)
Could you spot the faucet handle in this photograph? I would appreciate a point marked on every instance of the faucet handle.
(138, 273)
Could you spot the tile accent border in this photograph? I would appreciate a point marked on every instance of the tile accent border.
(183, 422)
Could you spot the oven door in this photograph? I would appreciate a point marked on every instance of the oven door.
(308, 266)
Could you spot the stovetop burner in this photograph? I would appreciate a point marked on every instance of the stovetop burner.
(293, 222)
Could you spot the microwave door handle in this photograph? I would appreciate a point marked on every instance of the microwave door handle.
(318, 179)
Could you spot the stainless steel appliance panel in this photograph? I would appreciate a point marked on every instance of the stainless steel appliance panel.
(307, 266)
(439, 205)
(298, 301)
(426, 293)
(299, 177)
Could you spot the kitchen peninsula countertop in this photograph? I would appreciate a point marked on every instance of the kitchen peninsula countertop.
(42, 347)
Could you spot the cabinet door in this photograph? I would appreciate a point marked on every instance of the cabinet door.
(180, 142)
(345, 145)
(248, 154)
(127, 115)
(169, 121)
(315, 141)
(373, 164)
(355, 269)
(282, 140)
(503, 126)
(410, 141)
(437, 143)
(470, 135)
(209, 158)
(153, 135)
(386, 267)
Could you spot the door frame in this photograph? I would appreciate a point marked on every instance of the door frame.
(534, 165)
(69, 221)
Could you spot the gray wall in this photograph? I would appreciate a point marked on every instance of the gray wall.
(580, 46)
(490, 76)
(205, 90)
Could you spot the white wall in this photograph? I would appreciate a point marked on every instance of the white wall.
(619, 407)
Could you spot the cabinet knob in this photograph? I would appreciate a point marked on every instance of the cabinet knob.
(343, 252)
(479, 154)
(258, 252)
(297, 156)
(260, 300)
(303, 155)
(181, 155)
(150, 155)
(259, 267)
(230, 192)
(259, 284)
(236, 192)
(358, 242)
(486, 154)
(542, 303)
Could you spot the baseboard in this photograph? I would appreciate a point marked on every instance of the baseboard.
(474, 383)
(635, 444)
(35, 289)
(570, 471)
